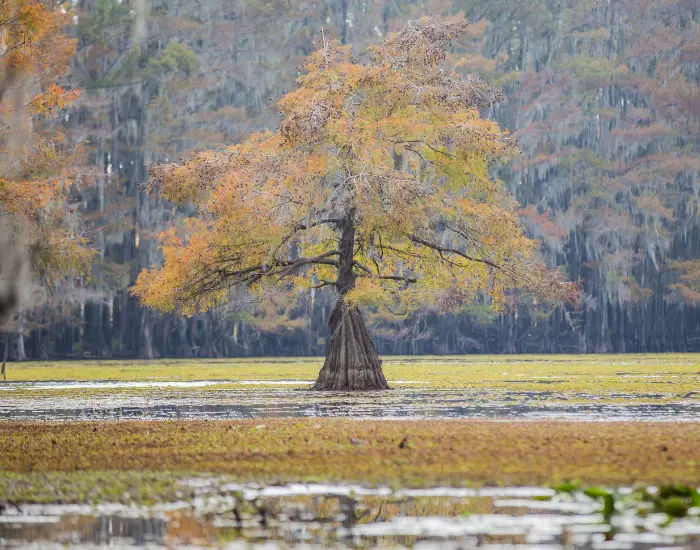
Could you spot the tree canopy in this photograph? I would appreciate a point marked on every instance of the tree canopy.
(602, 99)
(377, 182)
(36, 165)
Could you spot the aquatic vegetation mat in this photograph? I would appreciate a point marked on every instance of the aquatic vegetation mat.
(584, 452)
(671, 373)
(575, 387)
(411, 453)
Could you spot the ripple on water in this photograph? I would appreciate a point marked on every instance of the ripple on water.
(398, 404)
(117, 384)
(253, 399)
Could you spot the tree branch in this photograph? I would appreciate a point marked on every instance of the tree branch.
(396, 278)
(449, 155)
(222, 278)
(302, 227)
(440, 249)
(361, 266)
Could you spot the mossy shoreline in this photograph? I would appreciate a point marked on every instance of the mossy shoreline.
(674, 375)
(73, 460)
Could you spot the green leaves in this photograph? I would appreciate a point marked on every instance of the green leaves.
(106, 15)
(607, 498)
(675, 500)
(176, 57)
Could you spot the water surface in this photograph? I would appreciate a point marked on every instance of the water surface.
(338, 516)
(260, 402)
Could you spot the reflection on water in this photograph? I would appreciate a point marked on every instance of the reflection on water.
(305, 516)
(101, 385)
(398, 403)
(71, 529)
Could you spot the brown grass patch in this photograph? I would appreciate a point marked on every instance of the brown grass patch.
(459, 452)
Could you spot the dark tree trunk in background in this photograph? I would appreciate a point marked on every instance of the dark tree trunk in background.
(184, 348)
(352, 362)
(146, 350)
(4, 355)
(20, 352)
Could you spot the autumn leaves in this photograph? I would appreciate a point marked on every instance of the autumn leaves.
(396, 145)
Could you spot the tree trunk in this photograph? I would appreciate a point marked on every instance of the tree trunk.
(183, 347)
(146, 335)
(4, 355)
(20, 353)
(351, 362)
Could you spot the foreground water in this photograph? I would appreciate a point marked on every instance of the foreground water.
(339, 516)
(213, 513)
(275, 400)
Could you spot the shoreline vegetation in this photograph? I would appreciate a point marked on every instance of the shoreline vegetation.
(86, 461)
(673, 374)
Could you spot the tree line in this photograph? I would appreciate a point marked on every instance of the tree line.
(602, 100)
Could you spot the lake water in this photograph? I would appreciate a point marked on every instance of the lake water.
(339, 516)
(107, 400)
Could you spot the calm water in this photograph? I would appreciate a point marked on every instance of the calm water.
(328, 516)
(279, 401)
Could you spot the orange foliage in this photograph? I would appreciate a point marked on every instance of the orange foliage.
(52, 100)
(35, 167)
(543, 224)
(688, 287)
(393, 152)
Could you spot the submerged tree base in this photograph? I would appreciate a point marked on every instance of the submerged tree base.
(352, 362)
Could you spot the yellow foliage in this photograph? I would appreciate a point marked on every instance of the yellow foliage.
(391, 154)
(688, 288)
(34, 163)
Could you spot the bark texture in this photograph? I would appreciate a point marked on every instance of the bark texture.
(352, 363)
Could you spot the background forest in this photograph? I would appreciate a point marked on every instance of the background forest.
(602, 96)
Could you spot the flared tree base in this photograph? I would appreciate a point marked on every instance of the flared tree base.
(352, 363)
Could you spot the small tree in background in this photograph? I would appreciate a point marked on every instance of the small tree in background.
(376, 183)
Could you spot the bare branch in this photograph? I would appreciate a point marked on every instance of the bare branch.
(324, 283)
(221, 278)
(450, 155)
(398, 278)
(361, 266)
(440, 249)
(302, 227)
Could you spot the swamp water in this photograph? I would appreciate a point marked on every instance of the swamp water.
(158, 400)
(337, 516)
